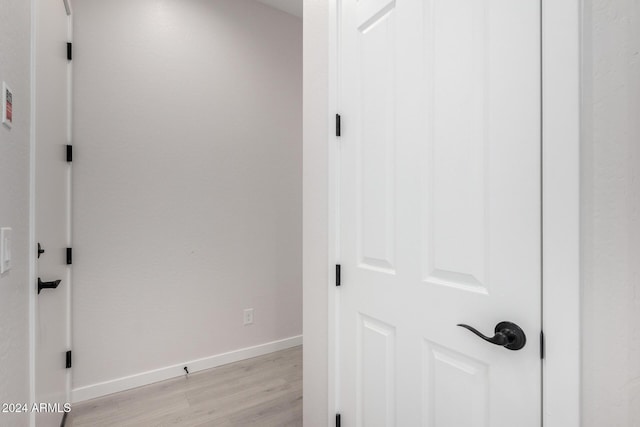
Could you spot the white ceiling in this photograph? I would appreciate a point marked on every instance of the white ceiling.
(293, 7)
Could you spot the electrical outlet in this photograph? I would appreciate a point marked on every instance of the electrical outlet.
(248, 316)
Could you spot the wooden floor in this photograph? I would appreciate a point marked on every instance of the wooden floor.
(264, 391)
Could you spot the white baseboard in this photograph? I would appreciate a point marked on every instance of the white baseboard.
(144, 378)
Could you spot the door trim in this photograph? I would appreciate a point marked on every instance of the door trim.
(32, 217)
(561, 97)
(561, 104)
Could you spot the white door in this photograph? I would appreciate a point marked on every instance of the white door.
(439, 212)
(52, 212)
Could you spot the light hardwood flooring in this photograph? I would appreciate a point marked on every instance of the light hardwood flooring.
(265, 391)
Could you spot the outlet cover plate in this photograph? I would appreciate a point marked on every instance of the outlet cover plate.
(248, 316)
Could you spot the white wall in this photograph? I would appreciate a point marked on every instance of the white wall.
(15, 36)
(611, 214)
(187, 182)
(315, 189)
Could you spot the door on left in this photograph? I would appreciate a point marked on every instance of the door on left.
(52, 212)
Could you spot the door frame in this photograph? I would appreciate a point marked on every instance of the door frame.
(561, 104)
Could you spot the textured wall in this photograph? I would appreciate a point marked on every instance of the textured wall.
(316, 179)
(15, 18)
(611, 214)
(187, 181)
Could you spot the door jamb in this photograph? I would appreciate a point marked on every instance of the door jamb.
(69, 288)
(333, 204)
(561, 102)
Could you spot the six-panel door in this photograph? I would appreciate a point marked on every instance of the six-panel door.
(439, 211)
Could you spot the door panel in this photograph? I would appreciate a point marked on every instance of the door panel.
(439, 211)
(376, 384)
(375, 159)
(457, 124)
(52, 216)
(453, 377)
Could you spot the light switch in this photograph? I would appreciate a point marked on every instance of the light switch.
(5, 249)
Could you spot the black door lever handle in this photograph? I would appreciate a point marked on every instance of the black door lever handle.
(47, 285)
(507, 334)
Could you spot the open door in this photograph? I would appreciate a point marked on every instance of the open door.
(52, 192)
(440, 214)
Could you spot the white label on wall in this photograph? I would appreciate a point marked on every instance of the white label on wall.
(7, 105)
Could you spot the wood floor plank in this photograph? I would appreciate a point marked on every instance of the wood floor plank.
(264, 391)
(283, 410)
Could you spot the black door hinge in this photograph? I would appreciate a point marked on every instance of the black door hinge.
(337, 420)
(338, 278)
(69, 51)
(68, 359)
(69, 153)
(338, 125)
(542, 343)
(69, 256)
